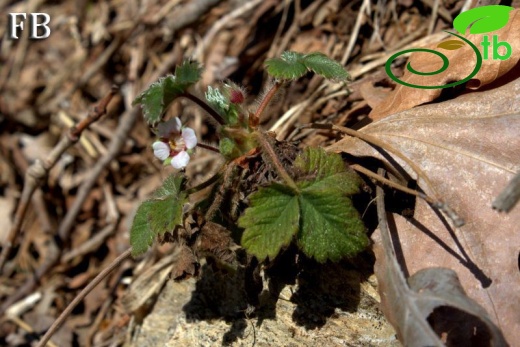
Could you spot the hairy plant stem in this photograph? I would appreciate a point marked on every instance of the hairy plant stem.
(208, 147)
(263, 141)
(204, 106)
(270, 94)
(206, 183)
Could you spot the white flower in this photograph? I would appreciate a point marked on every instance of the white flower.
(161, 150)
(174, 143)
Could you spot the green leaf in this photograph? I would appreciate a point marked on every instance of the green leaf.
(222, 105)
(172, 186)
(321, 215)
(270, 222)
(288, 67)
(151, 101)
(156, 99)
(330, 226)
(188, 73)
(326, 172)
(158, 215)
(292, 65)
(322, 65)
(141, 237)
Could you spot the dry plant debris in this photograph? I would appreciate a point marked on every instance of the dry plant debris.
(80, 209)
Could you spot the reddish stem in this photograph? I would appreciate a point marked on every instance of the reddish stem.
(205, 107)
(208, 147)
(265, 102)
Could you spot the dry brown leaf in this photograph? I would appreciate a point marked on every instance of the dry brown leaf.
(215, 241)
(461, 63)
(186, 265)
(469, 147)
(430, 305)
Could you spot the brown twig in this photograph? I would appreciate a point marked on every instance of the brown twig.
(53, 257)
(58, 322)
(188, 13)
(39, 170)
(204, 106)
(392, 184)
(199, 52)
(91, 244)
(457, 220)
(38, 202)
(208, 147)
(83, 191)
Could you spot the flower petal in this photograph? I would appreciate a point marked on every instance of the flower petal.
(161, 150)
(180, 160)
(165, 129)
(190, 139)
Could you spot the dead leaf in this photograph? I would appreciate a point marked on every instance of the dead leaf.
(215, 241)
(461, 63)
(432, 304)
(469, 147)
(186, 265)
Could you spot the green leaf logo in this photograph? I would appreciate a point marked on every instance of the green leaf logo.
(451, 45)
(483, 19)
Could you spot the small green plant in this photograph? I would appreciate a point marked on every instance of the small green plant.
(268, 194)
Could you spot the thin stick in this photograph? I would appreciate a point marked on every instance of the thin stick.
(224, 21)
(206, 183)
(273, 51)
(392, 184)
(433, 19)
(208, 147)
(100, 277)
(68, 222)
(204, 106)
(39, 170)
(376, 142)
(22, 324)
(268, 149)
(456, 219)
(355, 32)
(270, 94)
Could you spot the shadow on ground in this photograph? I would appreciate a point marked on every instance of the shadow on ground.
(317, 293)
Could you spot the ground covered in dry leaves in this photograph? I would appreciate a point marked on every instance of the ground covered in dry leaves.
(78, 216)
